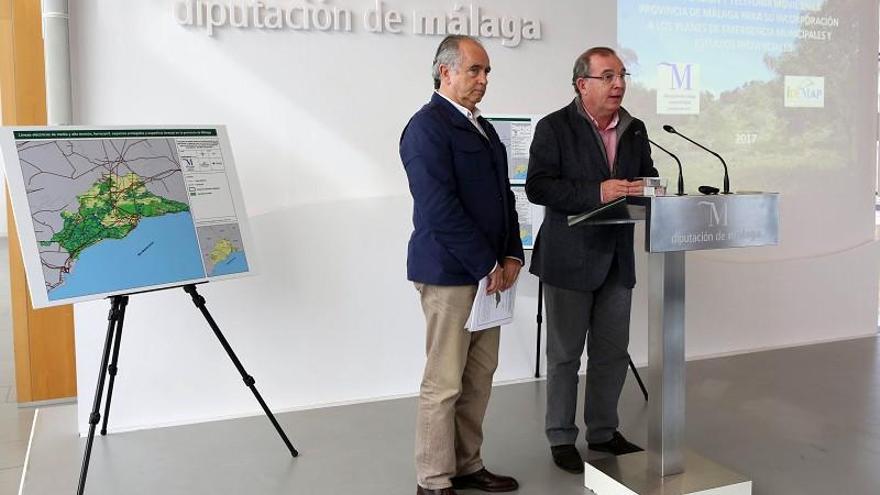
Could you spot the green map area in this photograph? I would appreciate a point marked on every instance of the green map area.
(110, 209)
(222, 250)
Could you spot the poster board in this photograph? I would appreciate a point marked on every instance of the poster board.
(516, 132)
(102, 211)
(530, 217)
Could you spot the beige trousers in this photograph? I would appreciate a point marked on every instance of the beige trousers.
(455, 387)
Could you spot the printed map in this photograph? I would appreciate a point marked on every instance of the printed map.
(222, 250)
(109, 214)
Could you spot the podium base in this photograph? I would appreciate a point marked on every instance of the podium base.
(629, 475)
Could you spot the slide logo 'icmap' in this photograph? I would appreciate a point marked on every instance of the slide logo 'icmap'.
(804, 92)
(678, 89)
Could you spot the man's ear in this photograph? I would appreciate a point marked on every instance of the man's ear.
(444, 72)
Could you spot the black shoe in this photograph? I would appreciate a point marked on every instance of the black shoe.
(567, 458)
(485, 481)
(428, 491)
(617, 445)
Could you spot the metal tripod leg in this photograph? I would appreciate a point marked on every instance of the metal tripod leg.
(632, 366)
(539, 320)
(113, 364)
(199, 301)
(95, 416)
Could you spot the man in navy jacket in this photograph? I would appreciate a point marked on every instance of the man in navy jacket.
(465, 229)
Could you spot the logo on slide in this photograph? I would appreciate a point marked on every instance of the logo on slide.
(804, 92)
(678, 89)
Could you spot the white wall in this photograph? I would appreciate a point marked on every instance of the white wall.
(314, 120)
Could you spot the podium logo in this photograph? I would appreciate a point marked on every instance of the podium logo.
(678, 89)
(804, 92)
(714, 218)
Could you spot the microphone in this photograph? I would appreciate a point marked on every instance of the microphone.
(680, 179)
(671, 130)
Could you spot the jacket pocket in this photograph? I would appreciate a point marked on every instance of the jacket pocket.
(473, 158)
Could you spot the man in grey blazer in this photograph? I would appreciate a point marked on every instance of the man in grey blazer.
(582, 156)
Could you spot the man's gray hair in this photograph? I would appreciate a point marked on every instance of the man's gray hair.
(448, 54)
(582, 63)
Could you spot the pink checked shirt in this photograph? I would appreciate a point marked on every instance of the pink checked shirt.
(609, 137)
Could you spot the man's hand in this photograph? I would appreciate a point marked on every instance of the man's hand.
(618, 188)
(496, 280)
(511, 272)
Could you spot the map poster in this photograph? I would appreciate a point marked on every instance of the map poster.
(117, 210)
(516, 134)
(530, 217)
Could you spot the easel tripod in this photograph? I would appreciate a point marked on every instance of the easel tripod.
(115, 319)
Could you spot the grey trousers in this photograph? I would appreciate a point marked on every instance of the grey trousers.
(601, 318)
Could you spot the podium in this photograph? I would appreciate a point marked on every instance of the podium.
(673, 226)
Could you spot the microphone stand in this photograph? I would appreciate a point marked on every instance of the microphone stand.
(671, 130)
(680, 179)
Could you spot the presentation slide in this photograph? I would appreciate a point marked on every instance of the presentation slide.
(110, 211)
(784, 90)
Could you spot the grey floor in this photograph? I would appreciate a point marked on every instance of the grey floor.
(15, 423)
(798, 421)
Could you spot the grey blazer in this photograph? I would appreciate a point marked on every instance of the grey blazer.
(567, 164)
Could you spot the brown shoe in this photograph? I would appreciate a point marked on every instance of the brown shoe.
(439, 491)
(485, 481)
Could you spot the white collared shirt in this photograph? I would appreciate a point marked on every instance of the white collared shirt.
(471, 116)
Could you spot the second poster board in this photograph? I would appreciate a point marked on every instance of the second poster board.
(516, 132)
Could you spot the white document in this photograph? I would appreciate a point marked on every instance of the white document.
(491, 310)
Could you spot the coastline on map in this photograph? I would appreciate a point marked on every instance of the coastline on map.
(112, 265)
(234, 263)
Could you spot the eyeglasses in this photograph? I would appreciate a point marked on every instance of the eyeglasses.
(609, 77)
